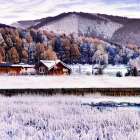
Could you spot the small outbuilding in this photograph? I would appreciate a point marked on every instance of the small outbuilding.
(52, 67)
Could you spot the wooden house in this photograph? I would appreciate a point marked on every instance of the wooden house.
(7, 68)
(13, 69)
(52, 67)
(26, 69)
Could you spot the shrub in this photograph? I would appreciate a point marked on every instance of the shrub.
(118, 74)
(88, 73)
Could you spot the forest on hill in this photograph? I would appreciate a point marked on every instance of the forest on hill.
(31, 45)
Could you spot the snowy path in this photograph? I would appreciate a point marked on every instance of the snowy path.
(73, 81)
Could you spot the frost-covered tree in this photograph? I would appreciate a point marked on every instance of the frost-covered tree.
(98, 56)
(80, 41)
(105, 58)
(134, 62)
(2, 41)
(92, 49)
(44, 38)
(117, 59)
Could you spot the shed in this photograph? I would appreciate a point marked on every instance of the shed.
(52, 67)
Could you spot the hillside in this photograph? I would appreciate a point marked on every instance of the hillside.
(128, 33)
(105, 27)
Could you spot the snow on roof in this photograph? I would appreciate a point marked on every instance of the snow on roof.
(51, 63)
(22, 65)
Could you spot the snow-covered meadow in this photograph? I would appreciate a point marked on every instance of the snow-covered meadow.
(65, 118)
(72, 81)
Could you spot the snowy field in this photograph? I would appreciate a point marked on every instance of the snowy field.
(72, 81)
(65, 118)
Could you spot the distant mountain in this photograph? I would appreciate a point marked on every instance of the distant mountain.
(105, 27)
(4, 25)
(25, 24)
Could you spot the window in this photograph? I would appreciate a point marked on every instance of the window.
(41, 70)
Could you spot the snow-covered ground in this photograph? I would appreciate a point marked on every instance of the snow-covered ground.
(72, 81)
(65, 118)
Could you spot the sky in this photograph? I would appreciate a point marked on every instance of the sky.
(17, 10)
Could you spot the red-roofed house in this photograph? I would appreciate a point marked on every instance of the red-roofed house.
(52, 67)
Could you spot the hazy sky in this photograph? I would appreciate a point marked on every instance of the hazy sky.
(15, 10)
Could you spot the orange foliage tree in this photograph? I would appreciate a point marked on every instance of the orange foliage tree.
(2, 52)
(40, 49)
(13, 56)
(24, 54)
(1, 58)
(74, 52)
(49, 55)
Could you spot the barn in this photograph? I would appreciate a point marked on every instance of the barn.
(52, 67)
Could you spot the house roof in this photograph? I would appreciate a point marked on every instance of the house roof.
(5, 64)
(51, 63)
(15, 65)
(22, 65)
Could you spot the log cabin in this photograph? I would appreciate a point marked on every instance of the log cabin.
(52, 67)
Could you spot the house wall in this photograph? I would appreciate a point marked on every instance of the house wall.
(58, 70)
(15, 71)
(41, 65)
(54, 71)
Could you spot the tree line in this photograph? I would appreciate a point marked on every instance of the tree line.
(32, 45)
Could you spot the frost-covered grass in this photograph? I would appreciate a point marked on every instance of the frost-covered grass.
(63, 118)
